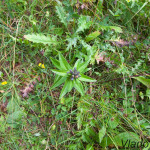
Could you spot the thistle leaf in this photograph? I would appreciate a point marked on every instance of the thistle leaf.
(40, 38)
(61, 14)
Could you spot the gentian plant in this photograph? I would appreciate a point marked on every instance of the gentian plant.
(70, 76)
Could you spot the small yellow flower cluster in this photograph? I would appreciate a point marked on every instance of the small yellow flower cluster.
(4, 83)
(128, 1)
(41, 65)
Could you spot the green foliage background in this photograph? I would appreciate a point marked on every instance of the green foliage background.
(107, 41)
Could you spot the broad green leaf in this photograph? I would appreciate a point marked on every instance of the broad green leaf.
(78, 86)
(82, 67)
(66, 88)
(40, 38)
(59, 72)
(55, 63)
(63, 62)
(58, 82)
(86, 78)
(92, 36)
(102, 133)
(143, 80)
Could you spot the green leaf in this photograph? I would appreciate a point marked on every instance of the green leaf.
(117, 29)
(61, 14)
(86, 78)
(82, 66)
(55, 63)
(148, 93)
(15, 116)
(102, 133)
(78, 86)
(122, 138)
(58, 82)
(92, 36)
(72, 41)
(79, 120)
(83, 23)
(86, 138)
(143, 80)
(59, 72)
(40, 38)
(63, 63)
(66, 88)
(89, 147)
(77, 63)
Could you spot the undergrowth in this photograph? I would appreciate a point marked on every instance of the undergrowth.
(74, 74)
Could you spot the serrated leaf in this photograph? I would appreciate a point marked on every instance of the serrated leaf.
(92, 36)
(40, 38)
(102, 133)
(58, 82)
(61, 14)
(143, 80)
(86, 78)
(83, 23)
(72, 41)
(59, 72)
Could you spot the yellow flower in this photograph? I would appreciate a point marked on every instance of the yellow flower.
(128, 1)
(41, 65)
(4, 83)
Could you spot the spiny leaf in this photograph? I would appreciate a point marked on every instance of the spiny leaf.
(40, 38)
(61, 14)
(83, 23)
(92, 36)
